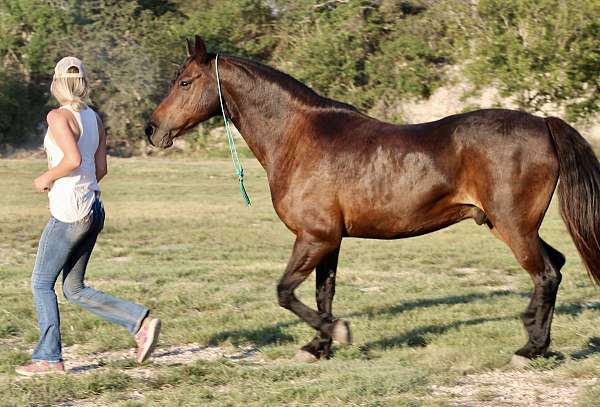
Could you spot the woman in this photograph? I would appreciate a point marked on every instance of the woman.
(76, 147)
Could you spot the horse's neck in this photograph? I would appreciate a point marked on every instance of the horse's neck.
(258, 110)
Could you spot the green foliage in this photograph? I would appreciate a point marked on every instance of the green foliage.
(19, 109)
(546, 363)
(339, 39)
(241, 27)
(31, 41)
(411, 59)
(542, 51)
(364, 52)
(120, 45)
(34, 34)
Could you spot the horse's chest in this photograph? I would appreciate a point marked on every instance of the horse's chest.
(308, 206)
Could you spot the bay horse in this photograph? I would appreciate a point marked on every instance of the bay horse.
(335, 172)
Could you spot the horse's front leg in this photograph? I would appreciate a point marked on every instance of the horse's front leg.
(307, 254)
(320, 346)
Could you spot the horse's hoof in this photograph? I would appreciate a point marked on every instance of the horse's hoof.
(341, 332)
(303, 356)
(519, 362)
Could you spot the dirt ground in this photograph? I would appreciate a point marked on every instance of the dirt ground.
(516, 387)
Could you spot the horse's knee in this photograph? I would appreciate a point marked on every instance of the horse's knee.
(284, 295)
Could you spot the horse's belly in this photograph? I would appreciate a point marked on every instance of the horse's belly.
(394, 227)
(400, 194)
(389, 225)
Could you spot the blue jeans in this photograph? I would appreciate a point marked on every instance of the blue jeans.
(67, 247)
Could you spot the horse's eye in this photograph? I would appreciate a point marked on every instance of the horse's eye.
(184, 84)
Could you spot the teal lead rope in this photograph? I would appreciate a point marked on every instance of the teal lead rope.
(237, 165)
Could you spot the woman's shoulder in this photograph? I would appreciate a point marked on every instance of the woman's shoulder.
(58, 115)
(62, 119)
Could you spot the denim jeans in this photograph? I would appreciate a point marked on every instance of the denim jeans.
(67, 247)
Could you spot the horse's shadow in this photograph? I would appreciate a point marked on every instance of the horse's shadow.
(574, 309)
(593, 346)
(274, 334)
(418, 337)
(432, 302)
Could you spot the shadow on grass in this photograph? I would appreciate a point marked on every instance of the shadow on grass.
(418, 337)
(432, 302)
(267, 335)
(593, 347)
(275, 334)
(574, 309)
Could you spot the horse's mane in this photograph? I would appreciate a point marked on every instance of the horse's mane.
(288, 84)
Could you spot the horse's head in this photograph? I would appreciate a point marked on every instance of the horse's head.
(192, 98)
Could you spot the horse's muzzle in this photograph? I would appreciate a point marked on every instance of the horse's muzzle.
(157, 137)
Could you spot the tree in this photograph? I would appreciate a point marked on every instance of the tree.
(125, 75)
(239, 27)
(541, 51)
(21, 106)
(364, 52)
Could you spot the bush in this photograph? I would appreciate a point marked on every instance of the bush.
(542, 51)
(21, 108)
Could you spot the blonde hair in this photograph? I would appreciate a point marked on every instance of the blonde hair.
(71, 91)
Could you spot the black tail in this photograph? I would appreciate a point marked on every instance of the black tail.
(579, 192)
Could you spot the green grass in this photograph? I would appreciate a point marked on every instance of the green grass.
(424, 311)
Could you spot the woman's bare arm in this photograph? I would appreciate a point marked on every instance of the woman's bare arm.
(100, 157)
(65, 133)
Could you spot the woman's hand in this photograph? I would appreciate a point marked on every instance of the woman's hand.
(42, 183)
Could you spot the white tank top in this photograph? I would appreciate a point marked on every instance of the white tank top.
(71, 197)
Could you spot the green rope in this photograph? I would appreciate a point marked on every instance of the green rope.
(237, 165)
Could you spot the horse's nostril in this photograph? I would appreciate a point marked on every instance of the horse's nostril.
(149, 130)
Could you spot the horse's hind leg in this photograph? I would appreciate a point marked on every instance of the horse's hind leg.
(543, 264)
(538, 315)
(320, 346)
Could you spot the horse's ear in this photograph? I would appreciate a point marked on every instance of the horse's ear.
(190, 47)
(200, 49)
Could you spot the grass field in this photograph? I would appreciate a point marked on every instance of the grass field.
(428, 314)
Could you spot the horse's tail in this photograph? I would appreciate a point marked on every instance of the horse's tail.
(579, 192)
